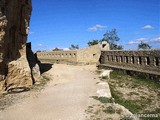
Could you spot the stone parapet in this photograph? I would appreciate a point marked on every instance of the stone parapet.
(147, 61)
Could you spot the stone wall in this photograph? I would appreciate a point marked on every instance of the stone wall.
(147, 61)
(58, 56)
(89, 55)
(14, 22)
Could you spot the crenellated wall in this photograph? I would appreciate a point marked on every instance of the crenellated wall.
(147, 61)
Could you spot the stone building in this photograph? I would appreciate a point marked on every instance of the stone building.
(14, 21)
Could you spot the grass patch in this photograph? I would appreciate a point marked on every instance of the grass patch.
(103, 99)
(136, 79)
(129, 104)
(109, 110)
(144, 86)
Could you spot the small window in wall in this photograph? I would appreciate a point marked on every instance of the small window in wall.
(74, 54)
(94, 55)
(112, 58)
(132, 59)
(139, 60)
(108, 57)
(103, 45)
(156, 61)
(116, 59)
(147, 61)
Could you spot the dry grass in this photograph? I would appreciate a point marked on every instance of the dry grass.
(137, 94)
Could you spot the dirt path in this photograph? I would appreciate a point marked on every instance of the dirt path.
(65, 97)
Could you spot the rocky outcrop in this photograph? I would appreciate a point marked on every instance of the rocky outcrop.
(19, 74)
(14, 21)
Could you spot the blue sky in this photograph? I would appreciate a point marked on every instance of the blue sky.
(60, 23)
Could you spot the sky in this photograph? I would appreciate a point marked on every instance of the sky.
(60, 23)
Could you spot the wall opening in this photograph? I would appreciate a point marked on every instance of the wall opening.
(156, 61)
(116, 58)
(132, 59)
(147, 61)
(112, 58)
(103, 45)
(139, 60)
(108, 57)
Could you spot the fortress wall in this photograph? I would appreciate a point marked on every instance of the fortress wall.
(58, 56)
(147, 61)
(89, 55)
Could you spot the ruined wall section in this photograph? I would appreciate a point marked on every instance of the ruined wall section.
(14, 22)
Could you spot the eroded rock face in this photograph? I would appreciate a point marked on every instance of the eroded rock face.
(14, 22)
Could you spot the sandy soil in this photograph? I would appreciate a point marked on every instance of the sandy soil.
(65, 97)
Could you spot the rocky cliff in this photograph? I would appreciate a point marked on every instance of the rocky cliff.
(14, 21)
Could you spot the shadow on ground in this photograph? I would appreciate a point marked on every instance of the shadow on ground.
(44, 67)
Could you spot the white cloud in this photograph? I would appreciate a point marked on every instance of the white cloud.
(65, 49)
(145, 40)
(147, 27)
(96, 27)
(40, 45)
(157, 40)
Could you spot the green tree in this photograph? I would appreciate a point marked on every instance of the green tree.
(143, 45)
(93, 42)
(74, 47)
(112, 38)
